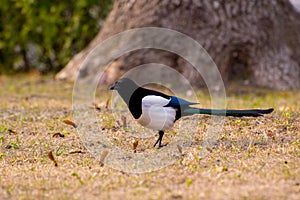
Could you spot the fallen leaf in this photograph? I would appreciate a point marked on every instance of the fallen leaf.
(58, 134)
(51, 157)
(135, 144)
(70, 122)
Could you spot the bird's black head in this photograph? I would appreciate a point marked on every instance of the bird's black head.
(124, 84)
(125, 88)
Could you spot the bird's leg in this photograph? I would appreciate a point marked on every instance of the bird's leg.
(161, 134)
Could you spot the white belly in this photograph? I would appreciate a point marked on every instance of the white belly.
(157, 117)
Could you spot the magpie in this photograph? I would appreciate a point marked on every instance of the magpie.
(158, 111)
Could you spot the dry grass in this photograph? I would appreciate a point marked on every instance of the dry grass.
(253, 159)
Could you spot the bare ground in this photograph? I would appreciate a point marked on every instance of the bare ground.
(254, 158)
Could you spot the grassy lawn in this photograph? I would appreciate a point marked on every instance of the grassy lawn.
(254, 158)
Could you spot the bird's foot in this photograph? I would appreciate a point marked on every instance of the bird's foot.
(162, 145)
(159, 140)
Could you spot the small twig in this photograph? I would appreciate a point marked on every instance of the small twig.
(76, 151)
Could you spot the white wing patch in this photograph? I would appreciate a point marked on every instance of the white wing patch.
(155, 100)
(155, 115)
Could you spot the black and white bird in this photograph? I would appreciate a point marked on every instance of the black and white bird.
(158, 111)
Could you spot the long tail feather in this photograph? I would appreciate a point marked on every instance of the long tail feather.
(236, 113)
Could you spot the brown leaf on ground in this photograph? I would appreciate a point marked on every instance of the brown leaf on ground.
(135, 144)
(58, 134)
(70, 122)
(51, 157)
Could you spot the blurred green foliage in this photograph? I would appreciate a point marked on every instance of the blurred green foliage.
(45, 34)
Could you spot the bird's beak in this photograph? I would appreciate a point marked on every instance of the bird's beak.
(112, 87)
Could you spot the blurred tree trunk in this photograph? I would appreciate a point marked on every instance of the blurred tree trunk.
(253, 40)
